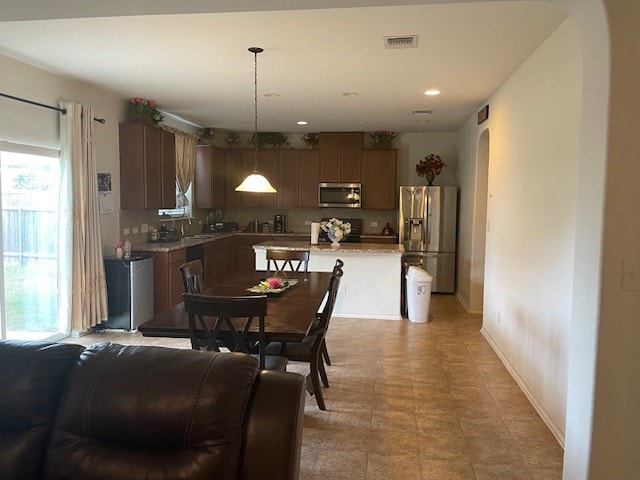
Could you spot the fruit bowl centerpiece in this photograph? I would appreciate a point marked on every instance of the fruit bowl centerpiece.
(272, 286)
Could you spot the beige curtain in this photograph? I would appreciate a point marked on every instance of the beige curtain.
(88, 292)
(185, 165)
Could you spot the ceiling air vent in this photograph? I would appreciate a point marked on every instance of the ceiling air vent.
(406, 41)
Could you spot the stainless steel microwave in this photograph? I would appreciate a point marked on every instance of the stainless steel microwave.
(340, 195)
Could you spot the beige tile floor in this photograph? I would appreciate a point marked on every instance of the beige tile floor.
(415, 401)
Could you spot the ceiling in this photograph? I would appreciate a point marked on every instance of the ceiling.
(196, 65)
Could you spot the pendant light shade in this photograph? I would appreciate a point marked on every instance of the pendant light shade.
(255, 182)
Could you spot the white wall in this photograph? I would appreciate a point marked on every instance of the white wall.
(413, 147)
(22, 123)
(533, 169)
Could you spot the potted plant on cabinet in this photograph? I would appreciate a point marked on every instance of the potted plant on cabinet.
(382, 139)
(145, 111)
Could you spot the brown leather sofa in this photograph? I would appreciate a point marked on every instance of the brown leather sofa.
(152, 413)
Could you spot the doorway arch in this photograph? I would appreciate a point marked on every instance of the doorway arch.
(476, 293)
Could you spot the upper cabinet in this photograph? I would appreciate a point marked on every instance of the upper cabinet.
(233, 177)
(379, 189)
(147, 167)
(209, 177)
(308, 179)
(340, 156)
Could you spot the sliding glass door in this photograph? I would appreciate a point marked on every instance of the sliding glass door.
(29, 296)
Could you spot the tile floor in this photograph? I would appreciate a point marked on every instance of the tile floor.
(415, 401)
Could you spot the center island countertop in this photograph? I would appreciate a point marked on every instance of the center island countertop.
(370, 286)
(346, 248)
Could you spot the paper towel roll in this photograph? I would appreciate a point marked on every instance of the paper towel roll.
(315, 232)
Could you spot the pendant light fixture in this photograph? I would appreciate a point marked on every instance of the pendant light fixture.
(255, 182)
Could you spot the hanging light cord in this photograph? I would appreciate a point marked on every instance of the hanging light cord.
(256, 51)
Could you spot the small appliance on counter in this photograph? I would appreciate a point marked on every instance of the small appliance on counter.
(279, 224)
(163, 235)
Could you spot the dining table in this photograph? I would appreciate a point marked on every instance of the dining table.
(290, 313)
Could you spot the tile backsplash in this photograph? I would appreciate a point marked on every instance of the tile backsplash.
(373, 220)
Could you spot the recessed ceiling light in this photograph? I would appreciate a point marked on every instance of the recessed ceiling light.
(349, 94)
(422, 121)
(432, 92)
(271, 94)
(301, 122)
(361, 122)
(422, 112)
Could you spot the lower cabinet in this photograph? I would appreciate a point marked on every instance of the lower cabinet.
(245, 256)
(167, 280)
(219, 260)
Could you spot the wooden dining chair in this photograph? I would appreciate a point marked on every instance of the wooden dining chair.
(310, 349)
(232, 317)
(283, 260)
(192, 276)
(325, 353)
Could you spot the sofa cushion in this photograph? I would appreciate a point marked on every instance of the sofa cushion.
(152, 413)
(32, 378)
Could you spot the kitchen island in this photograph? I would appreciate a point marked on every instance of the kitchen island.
(370, 287)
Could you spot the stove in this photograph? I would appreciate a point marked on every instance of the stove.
(353, 237)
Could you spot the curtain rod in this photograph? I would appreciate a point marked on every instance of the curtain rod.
(63, 111)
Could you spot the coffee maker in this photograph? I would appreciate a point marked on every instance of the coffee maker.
(279, 224)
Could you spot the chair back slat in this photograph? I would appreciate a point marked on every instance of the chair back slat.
(283, 260)
(192, 276)
(223, 311)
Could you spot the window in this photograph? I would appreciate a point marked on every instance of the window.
(29, 186)
(180, 211)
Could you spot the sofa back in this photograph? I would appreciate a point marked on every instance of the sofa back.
(137, 412)
(32, 379)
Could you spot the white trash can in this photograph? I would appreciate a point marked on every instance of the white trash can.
(418, 294)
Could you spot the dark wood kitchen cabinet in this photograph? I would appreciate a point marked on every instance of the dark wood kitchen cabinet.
(209, 177)
(219, 260)
(308, 161)
(167, 280)
(245, 256)
(288, 185)
(341, 156)
(233, 177)
(379, 189)
(147, 167)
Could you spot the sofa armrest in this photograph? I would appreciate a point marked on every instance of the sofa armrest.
(273, 429)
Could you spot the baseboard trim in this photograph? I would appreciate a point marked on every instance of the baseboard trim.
(546, 418)
(367, 317)
(466, 305)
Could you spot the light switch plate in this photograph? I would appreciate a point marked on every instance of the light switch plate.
(374, 224)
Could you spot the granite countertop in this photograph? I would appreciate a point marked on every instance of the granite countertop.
(375, 248)
(200, 239)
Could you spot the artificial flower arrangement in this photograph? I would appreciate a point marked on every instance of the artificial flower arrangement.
(383, 136)
(311, 139)
(232, 139)
(336, 229)
(147, 107)
(205, 135)
(430, 167)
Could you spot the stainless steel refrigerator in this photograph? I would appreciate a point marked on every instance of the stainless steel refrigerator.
(427, 229)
